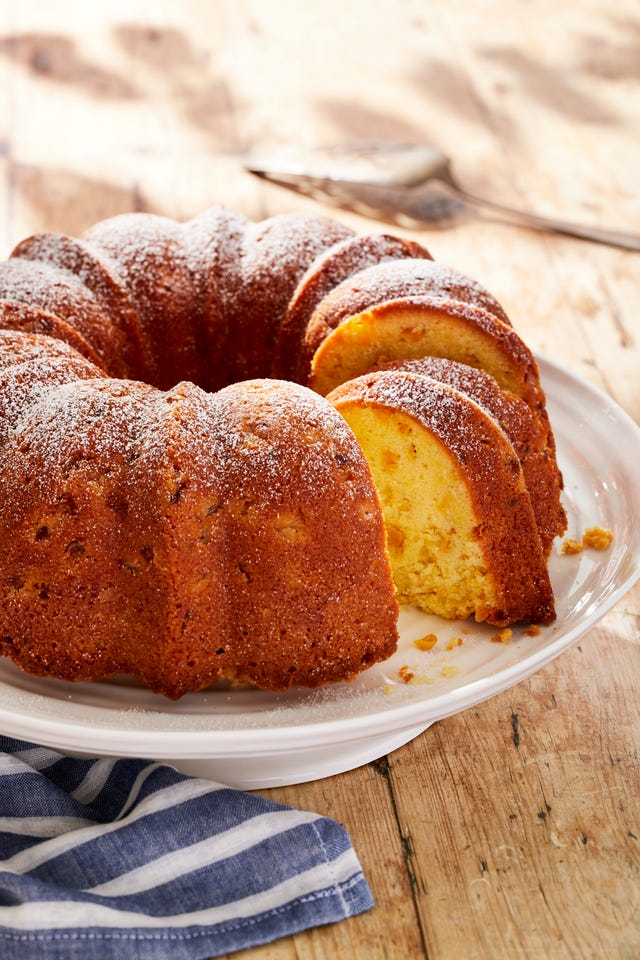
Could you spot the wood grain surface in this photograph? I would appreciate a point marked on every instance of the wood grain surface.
(511, 830)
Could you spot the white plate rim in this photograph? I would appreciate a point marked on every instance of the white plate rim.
(58, 733)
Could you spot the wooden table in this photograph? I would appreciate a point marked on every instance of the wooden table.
(511, 830)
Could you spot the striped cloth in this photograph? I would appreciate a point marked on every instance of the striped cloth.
(125, 859)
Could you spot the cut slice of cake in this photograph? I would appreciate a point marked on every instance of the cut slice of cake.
(422, 326)
(461, 531)
(531, 442)
(294, 348)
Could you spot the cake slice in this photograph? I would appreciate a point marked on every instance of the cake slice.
(531, 442)
(397, 280)
(293, 353)
(419, 326)
(462, 535)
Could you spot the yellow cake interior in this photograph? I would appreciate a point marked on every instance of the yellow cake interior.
(400, 332)
(436, 557)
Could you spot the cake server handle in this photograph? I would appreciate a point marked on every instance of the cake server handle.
(612, 238)
(394, 182)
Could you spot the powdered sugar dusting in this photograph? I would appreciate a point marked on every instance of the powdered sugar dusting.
(46, 286)
(284, 434)
(94, 419)
(31, 366)
(17, 347)
(61, 293)
(275, 254)
(255, 440)
(505, 407)
(464, 428)
(405, 278)
(294, 239)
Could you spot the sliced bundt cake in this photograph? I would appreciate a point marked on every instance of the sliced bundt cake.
(150, 526)
(462, 534)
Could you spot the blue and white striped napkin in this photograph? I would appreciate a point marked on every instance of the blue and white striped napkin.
(131, 860)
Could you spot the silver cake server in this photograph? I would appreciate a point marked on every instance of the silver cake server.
(407, 184)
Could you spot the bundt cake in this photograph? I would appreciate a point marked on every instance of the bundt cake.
(176, 503)
(462, 533)
(183, 536)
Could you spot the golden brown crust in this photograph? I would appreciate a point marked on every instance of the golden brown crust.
(214, 244)
(22, 317)
(170, 516)
(146, 255)
(30, 365)
(276, 253)
(69, 255)
(59, 292)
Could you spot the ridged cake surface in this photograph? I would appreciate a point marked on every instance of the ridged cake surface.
(176, 503)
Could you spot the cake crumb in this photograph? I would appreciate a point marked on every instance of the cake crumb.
(533, 630)
(427, 642)
(503, 636)
(571, 546)
(449, 671)
(453, 643)
(594, 538)
(405, 674)
(597, 538)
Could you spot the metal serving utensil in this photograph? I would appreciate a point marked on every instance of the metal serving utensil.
(407, 184)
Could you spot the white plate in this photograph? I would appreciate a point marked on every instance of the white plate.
(252, 738)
